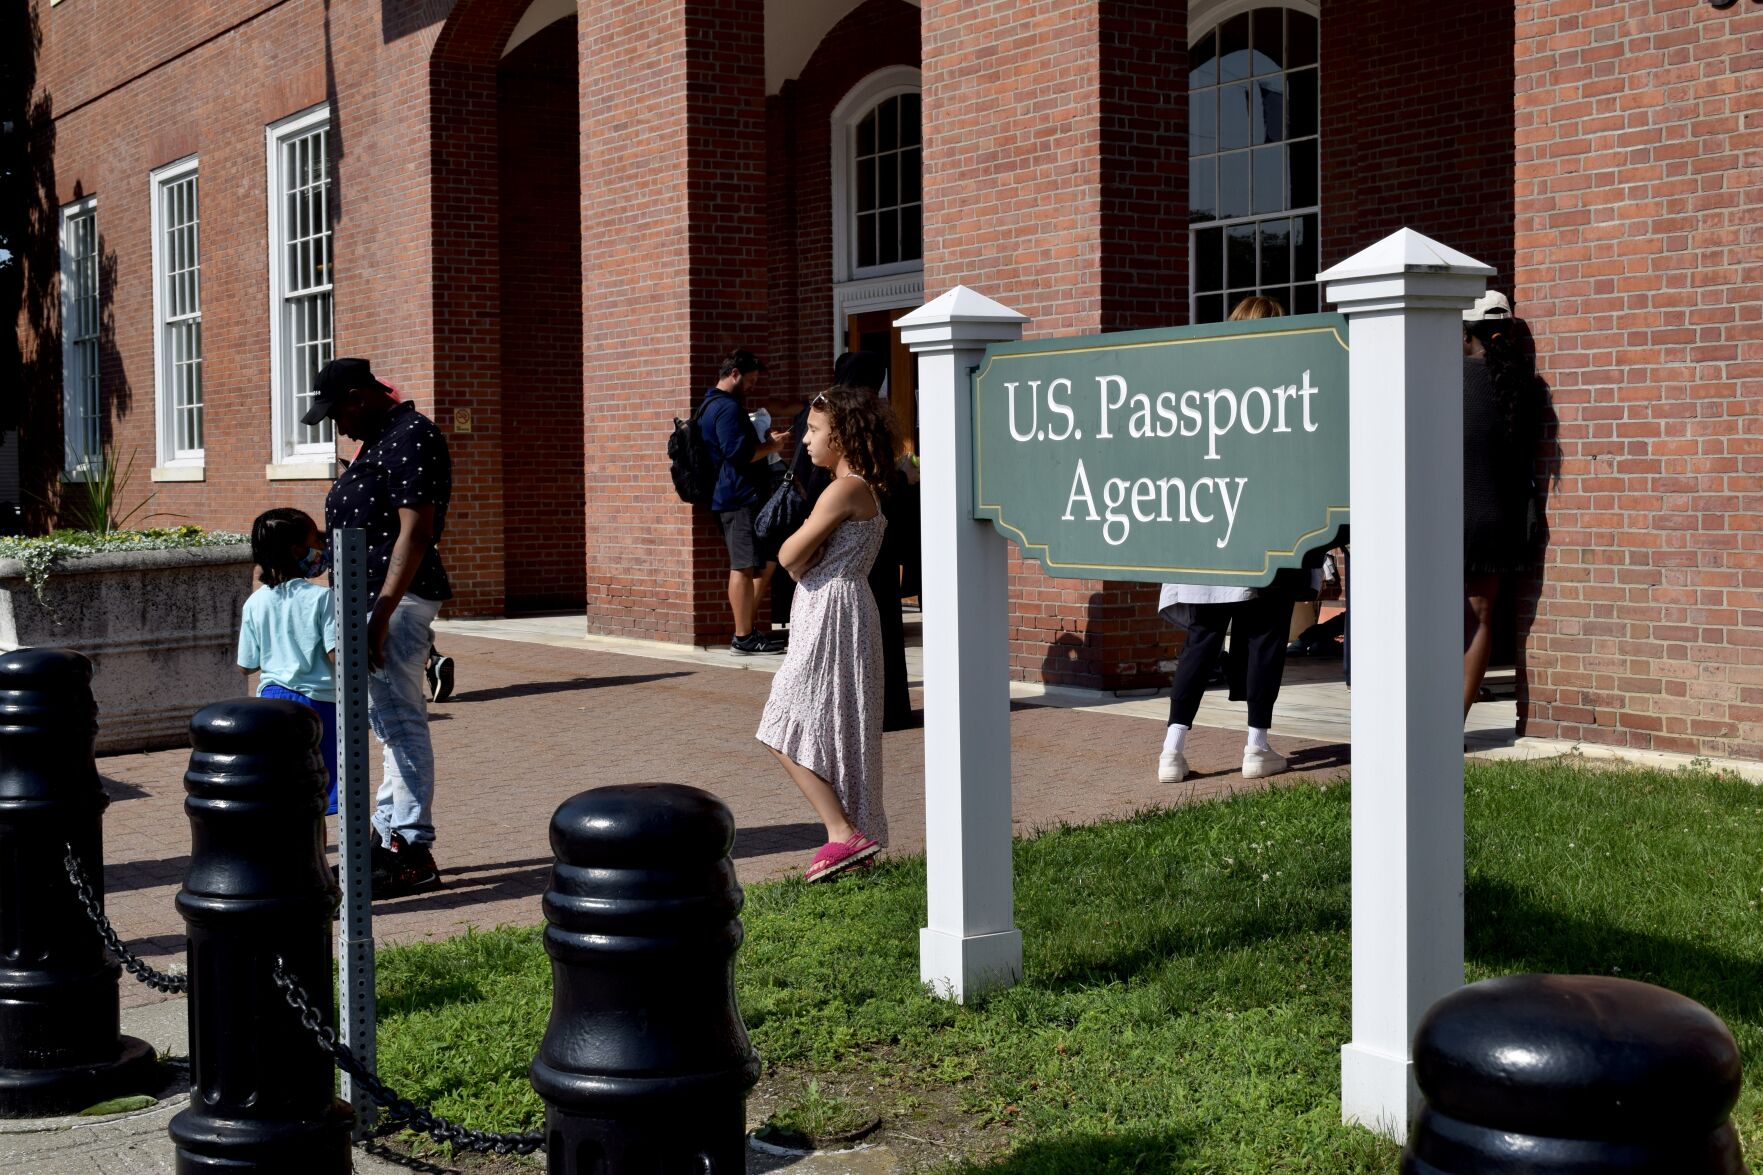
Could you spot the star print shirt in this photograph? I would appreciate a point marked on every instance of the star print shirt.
(407, 465)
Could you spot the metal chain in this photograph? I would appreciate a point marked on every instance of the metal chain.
(158, 980)
(398, 1109)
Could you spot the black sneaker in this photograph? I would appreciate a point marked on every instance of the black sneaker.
(403, 869)
(440, 677)
(756, 643)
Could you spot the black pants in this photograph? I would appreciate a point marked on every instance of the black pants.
(1259, 629)
(884, 584)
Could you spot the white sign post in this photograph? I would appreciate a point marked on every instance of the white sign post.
(1403, 298)
(972, 942)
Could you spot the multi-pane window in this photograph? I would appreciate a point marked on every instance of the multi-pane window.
(887, 188)
(81, 407)
(1253, 166)
(178, 274)
(301, 275)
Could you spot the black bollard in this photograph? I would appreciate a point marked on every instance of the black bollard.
(262, 1091)
(60, 1048)
(1570, 1075)
(645, 1065)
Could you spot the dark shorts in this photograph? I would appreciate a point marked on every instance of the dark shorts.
(737, 534)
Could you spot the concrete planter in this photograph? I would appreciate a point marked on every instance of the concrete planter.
(161, 629)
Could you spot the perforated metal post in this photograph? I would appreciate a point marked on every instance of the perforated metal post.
(354, 807)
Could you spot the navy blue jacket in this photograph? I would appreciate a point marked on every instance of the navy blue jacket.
(728, 431)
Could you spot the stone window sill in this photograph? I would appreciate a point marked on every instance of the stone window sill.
(302, 471)
(179, 473)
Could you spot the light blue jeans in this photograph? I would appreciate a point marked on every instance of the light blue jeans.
(398, 711)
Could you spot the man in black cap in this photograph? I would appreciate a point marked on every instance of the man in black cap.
(742, 484)
(397, 490)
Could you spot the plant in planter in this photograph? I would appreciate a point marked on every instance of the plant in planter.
(94, 506)
(156, 610)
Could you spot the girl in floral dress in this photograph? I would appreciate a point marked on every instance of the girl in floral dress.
(823, 720)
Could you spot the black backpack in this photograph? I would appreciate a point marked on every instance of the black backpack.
(690, 462)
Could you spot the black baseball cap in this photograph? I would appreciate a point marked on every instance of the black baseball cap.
(335, 380)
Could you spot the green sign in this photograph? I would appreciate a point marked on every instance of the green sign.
(1214, 454)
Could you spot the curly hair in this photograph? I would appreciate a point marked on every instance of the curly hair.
(862, 425)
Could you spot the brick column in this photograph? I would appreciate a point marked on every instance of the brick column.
(1637, 191)
(466, 296)
(1056, 183)
(673, 263)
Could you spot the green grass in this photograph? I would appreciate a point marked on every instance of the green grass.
(1186, 986)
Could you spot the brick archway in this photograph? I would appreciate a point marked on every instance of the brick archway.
(507, 306)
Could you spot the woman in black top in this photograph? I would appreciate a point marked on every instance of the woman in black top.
(1500, 401)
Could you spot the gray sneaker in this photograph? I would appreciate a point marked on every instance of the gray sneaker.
(756, 643)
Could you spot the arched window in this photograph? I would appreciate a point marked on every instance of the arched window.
(878, 190)
(1253, 166)
(888, 197)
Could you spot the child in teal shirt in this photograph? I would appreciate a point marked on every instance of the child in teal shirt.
(289, 631)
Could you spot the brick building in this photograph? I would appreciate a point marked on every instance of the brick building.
(545, 219)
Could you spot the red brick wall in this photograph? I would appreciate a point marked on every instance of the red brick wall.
(1417, 127)
(129, 90)
(1056, 182)
(540, 217)
(1638, 183)
(122, 91)
(674, 231)
(466, 291)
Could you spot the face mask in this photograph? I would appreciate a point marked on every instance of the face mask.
(314, 562)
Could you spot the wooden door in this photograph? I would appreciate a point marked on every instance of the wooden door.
(874, 331)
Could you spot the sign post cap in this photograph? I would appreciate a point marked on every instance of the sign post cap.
(1405, 252)
(960, 304)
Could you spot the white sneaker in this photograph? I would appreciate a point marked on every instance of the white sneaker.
(1259, 764)
(1172, 767)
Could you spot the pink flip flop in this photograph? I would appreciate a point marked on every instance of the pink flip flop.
(836, 857)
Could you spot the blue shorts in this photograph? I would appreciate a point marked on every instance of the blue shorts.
(327, 743)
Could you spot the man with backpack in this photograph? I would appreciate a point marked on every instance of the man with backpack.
(740, 489)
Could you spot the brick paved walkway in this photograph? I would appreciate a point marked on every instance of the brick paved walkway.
(534, 724)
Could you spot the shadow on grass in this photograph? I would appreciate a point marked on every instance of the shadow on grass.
(1178, 940)
(433, 992)
(1123, 1154)
(1509, 932)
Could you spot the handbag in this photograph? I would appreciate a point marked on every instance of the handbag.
(783, 513)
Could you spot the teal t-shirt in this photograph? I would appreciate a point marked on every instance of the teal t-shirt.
(286, 632)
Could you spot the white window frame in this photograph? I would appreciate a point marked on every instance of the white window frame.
(173, 463)
(859, 101)
(76, 464)
(289, 457)
(1204, 19)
